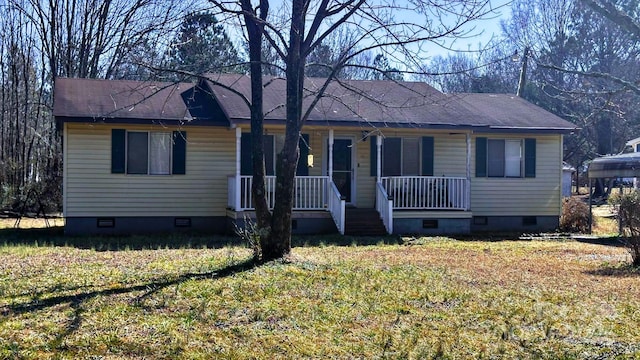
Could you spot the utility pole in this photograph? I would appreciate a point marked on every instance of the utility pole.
(523, 73)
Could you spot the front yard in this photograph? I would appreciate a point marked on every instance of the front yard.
(427, 298)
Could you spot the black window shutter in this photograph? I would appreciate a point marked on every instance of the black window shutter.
(529, 157)
(303, 164)
(481, 157)
(427, 155)
(118, 150)
(373, 156)
(246, 166)
(179, 166)
(392, 157)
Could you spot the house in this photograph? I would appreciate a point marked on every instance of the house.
(635, 145)
(144, 156)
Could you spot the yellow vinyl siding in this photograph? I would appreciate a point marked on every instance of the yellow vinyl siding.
(450, 155)
(91, 189)
(522, 196)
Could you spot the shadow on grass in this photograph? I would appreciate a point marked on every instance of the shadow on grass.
(77, 301)
(488, 236)
(625, 270)
(54, 236)
(149, 288)
(343, 240)
(600, 240)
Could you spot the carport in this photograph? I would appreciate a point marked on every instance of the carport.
(615, 166)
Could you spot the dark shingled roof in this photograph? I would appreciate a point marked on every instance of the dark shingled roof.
(390, 104)
(346, 102)
(119, 99)
(510, 112)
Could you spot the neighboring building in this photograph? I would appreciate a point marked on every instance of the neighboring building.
(635, 145)
(567, 179)
(142, 157)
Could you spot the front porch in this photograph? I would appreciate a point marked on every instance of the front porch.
(326, 190)
(420, 196)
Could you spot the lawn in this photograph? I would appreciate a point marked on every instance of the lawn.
(424, 298)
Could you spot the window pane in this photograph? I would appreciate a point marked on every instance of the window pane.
(391, 165)
(513, 158)
(495, 157)
(410, 157)
(160, 153)
(137, 152)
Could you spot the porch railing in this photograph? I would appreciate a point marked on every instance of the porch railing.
(310, 192)
(336, 206)
(428, 192)
(384, 205)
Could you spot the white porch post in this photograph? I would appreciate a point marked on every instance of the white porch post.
(468, 192)
(238, 180)
(330, 154)
(379, 157)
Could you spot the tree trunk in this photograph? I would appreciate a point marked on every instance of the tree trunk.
(279, 243)
(255, 34)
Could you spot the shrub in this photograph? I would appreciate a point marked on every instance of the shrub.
(575, 215)
(251, 234)
(627, 207)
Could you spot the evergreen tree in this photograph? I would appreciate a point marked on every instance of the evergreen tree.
(202, 46)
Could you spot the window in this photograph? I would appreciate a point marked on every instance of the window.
(504, 158)
(146, 152)
(246, 166)
(159, 153)
(512, 158)
(149, 153)
(403, 156)
(272, 145)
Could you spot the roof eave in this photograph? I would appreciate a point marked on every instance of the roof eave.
(443, 126)
(140, 121)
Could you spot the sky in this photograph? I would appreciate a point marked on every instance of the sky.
(483, 30)
(480, 31)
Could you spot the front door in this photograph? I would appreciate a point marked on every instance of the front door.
(343, 167)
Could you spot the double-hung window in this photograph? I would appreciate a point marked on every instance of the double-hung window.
(410, 156)
(246, 166)
(505, 158)
(148, 152)
(272, 145)
(401, 157)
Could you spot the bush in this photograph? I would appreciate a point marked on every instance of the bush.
(251, 234)
(575, 215)
(628, 209)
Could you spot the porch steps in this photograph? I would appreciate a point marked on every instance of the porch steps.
(363, 222)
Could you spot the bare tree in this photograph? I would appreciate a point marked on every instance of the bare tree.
(583, 67)
(44, 39)
(398, 32)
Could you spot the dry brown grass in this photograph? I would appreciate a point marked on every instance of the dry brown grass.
(29, 223)
(435, 298)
